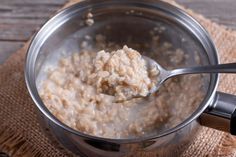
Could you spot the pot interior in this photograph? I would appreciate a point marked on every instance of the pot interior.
(161, 34)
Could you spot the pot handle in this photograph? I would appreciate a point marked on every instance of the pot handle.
(221, 115)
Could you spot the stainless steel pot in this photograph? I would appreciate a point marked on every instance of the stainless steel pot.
(129, 18)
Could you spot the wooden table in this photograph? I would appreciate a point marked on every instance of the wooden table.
(19, 19)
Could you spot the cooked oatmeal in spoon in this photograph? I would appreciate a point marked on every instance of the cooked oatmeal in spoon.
(123, 74)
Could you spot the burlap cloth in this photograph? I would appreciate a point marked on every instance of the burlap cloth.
(20, 133)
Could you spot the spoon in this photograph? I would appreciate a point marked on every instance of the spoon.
(166, 74)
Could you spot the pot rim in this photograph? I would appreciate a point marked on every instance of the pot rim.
(163, 6)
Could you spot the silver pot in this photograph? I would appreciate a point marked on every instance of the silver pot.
(129, 18)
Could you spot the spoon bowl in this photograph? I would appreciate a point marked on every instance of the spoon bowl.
(161, 77)
(166, 74)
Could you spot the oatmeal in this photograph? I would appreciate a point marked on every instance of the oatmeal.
(122, 73)
(89, 19)
(81, 91)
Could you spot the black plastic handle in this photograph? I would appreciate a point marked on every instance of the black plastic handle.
(221, 114)
(233, 123)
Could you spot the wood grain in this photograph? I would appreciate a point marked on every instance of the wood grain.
(19, 19)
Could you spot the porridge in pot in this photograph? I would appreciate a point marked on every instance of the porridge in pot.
(83, 88)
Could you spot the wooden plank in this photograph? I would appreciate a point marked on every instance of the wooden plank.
(22, 21)
(49, 2)
(27, 11)
(19, 19)
(16, 32)
(219, 11)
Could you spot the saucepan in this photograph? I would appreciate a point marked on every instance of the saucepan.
(134, 23)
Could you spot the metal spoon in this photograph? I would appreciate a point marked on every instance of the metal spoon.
(166, 74)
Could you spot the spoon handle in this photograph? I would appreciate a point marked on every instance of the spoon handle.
(220, 68)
